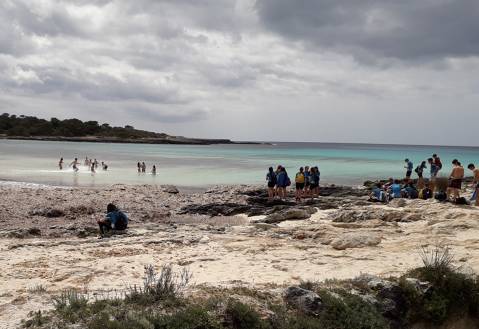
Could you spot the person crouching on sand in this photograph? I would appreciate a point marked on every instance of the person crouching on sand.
(475, 182)
(455, 180)
(115, 219)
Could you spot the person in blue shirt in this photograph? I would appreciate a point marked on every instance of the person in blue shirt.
(115, 219)
(409, 166)
(282, 181)
(378, 194)
(395, 189)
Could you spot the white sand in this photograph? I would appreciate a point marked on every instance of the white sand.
(294, 251)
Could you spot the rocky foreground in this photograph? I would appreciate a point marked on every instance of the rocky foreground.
(226, 236)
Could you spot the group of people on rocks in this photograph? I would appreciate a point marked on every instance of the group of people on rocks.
(91, 164)
(306, 181)
(141, 167)
(443, 189)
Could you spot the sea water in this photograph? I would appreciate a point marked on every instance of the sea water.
(185, 165)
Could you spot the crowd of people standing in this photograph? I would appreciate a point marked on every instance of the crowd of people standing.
(306, 181)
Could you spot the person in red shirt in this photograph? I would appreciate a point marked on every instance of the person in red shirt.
(437, 162)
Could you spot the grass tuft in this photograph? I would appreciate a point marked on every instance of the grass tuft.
(165, 285)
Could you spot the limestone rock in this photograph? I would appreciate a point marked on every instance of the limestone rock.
(47, 212)
(303, 300)
(355, 240)
(398, 203)
(290, 214)
(170, 189)
(264, 226)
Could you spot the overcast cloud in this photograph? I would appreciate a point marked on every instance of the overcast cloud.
(306, 70)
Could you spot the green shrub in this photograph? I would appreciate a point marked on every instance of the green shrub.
(451, 292)
(193, 317)
(163, 286)
(341, 310)
(37, 319)
(349, 311)
(242, 316)
(71, 306)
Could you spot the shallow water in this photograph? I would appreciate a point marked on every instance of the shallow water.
(37, 162)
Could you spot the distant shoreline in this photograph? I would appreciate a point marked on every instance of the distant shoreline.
(99, 139)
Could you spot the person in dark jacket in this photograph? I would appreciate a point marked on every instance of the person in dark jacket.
(115, 219)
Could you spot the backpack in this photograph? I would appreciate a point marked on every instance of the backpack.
(272, 178)
(461, 201)
(438, 163)
(413, 194)
(441, 196)
(426, 194)
(288, 181)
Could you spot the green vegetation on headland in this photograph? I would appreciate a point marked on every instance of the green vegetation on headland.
(435, 295)
(33, 128)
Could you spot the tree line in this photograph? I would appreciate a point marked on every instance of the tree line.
(26, 126)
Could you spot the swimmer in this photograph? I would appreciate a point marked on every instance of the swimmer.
(60, 164)
(153, 171)
(92, 168)
(74, 164)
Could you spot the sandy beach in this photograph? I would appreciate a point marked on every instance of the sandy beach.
(49, 239)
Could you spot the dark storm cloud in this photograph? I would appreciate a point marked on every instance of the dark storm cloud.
(209, 63)
(370, 30)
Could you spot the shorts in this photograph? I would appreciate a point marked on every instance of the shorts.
(408, 173)
(455, 183)
(299, 186)
(271, 185)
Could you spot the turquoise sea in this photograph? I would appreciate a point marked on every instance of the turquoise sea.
(351, 164)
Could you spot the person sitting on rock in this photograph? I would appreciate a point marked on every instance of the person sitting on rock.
(388, 184)
(378, 194)
(395, 189)
(410, 191)
(115, 219)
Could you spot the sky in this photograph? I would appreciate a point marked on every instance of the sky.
(366, 71)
